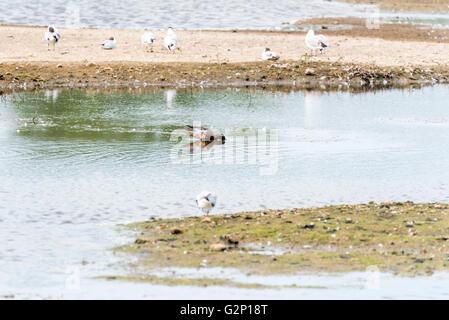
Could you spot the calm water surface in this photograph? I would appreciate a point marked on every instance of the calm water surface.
(74, 164)
(191, 14)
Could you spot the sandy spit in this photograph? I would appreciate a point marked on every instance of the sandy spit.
(210, 56)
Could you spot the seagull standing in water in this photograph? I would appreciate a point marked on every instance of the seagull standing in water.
(270, 55)
(109, 44)
(171, 40)
(52, 36)
(206, 201)
(316, 42)
(148, 39)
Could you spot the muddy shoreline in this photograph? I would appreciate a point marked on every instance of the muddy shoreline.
(301, 74)
(435, 6)
(402, 238)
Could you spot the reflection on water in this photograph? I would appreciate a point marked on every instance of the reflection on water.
(73, 164)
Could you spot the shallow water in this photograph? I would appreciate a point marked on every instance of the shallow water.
(218, 14)
(74, 164)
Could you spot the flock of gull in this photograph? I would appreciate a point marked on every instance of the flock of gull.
(206, 200)
(314, 42)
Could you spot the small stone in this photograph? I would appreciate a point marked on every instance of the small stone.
(419, 260)
(59, 66)
(175, 231)
(207, 220)
(140, 241)
(217, 247)
(385, 204)
(310, 72)
(230, 239)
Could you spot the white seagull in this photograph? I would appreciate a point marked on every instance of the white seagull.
(52, 36)
(206, 201)
(148, 39)
(109, 44)
(269, 55)
(171, 40)
(314, 42)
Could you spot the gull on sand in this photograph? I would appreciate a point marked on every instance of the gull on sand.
(269, 55)
(316, 42)
(148, 39)
(171, 40)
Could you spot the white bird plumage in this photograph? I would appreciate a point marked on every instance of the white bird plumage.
(316, 42)
(206, 201)
(269, 55)
(52, 36)
(171, 40)
(109, 44)
(148, 39)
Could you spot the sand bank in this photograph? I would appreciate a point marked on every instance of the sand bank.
(400, 237)
(212, 56)
(437, 6)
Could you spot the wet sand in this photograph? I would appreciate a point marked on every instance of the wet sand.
(436, 6)
(400, 237)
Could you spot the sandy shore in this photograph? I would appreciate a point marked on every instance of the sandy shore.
(221, 54)
(26, 44)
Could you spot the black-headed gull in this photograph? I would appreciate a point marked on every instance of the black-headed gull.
(171, 40)
(148, 39)
(206, 201)
(109, 44)
(316, 42)
(204, 134)
(269, 55)
(52, 36)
